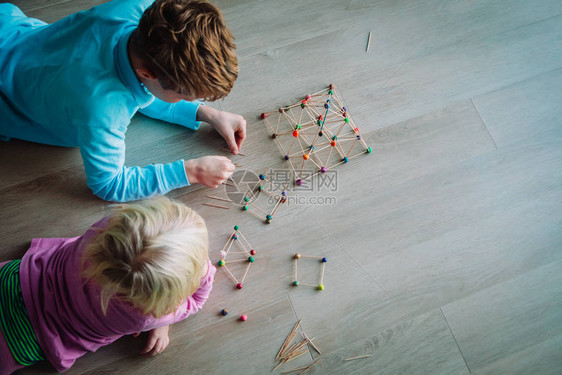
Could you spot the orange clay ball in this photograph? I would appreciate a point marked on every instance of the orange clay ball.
(297, 256)
(305, 156)
(296, 133)
(333, 143)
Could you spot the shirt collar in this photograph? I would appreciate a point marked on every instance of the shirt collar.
(141, 95)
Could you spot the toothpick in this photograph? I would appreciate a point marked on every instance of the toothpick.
(296, 369)
(309, 367)
(287, 341)
(368, 42)
(322, 273)
(311, 343)
(359, 357)
(245, 273)
(230, 273)
(216, 205)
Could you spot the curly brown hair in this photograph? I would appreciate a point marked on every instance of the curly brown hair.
(187, 46)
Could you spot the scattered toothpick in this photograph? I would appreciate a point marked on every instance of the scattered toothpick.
(368, 42)
(216, 206)
(359, 357)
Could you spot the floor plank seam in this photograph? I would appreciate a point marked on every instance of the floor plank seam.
(454, 338)
(359, 265)
(484, 123)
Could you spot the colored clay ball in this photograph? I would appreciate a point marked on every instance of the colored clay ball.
(224, 312)
(303, 105)
(286, 157)
(333, 143)
(243, 318)
(323, 169)
(239, 286)
(263, 115)
(234, 237)
(221, 263)
(328, 101)
(299, 127)
(324, 260)
(308, 97)
(284, 193)
(305, 156)
(358, 137)
(345, 160)
(295, 283)
(253, 252)
(284, 199)
(320, 117)
(236, 227)
(281, 110)
(334, 138)
(267, 221)
(260, 188)
(245, 208)
(320, 287)
(269, 217)
(274, 135)
(344, 108)
(251, 259)
(311, 147)
(262, 177)
(222, 254)
(357, 130)
(369, 150)
(320, 134)
(346, 120)
(296, 133)
(332, 86)
(331, 92)
(304, 101)
(246, 199)
(298, 182)
(297, 256)
(326, 106)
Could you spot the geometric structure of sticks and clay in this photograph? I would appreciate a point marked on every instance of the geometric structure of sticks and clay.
(296, 282)
(316, 134)
(244, 254)
(251, 198)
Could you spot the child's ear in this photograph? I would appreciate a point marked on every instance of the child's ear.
(145, 73)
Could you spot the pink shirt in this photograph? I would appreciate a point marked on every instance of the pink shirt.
(66, 314)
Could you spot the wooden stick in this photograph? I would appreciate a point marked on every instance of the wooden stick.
(236, 260)
(218, 198)
(245, 273)
(231, 275)
(216, 205)
(286, 342)
(322, 273)
(311, 343)
(359, 357)
(296, 369)
(368, 42)
(309, 367)
(310, 256)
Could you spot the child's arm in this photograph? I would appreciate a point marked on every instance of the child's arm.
(191, 305)
(103, 153)
(183, 113)
(230, 126)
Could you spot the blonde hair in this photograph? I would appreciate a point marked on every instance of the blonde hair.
(188, 46)
(151, 254)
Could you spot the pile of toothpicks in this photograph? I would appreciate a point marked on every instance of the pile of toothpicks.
(288, 352)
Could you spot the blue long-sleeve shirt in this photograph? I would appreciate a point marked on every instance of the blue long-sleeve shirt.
(71, 84)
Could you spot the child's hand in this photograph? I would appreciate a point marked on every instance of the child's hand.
(158, 340)
(230, 126)
(210, 171)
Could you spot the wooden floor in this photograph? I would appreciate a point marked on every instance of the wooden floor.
(445, 245)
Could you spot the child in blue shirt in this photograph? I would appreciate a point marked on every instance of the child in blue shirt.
(78, 82)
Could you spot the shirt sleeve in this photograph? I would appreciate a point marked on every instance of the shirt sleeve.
(182, 113)
(191, 305)
(103, 153)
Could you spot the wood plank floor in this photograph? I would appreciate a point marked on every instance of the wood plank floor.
(444, 245)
